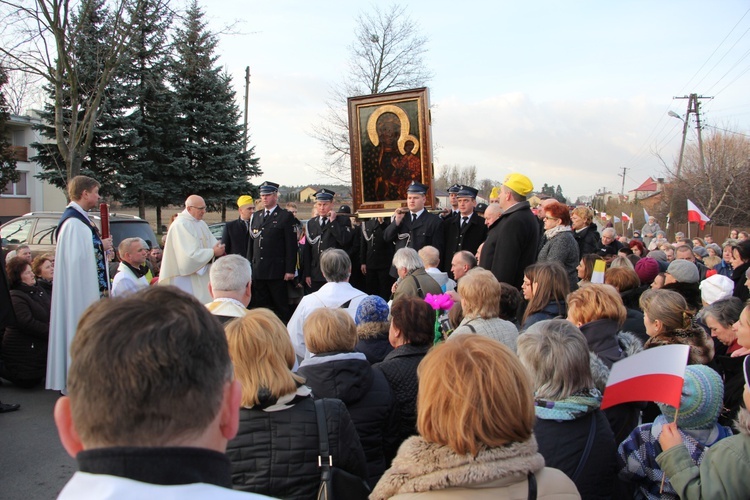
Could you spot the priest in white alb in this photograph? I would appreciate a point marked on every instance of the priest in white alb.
(189, 250)
(81, 276)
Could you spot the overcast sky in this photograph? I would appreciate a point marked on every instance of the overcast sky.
(566, 92)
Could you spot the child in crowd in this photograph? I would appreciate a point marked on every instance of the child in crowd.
(697, 426)
(725, 469)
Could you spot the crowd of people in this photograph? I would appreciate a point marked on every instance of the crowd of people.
(470, 362)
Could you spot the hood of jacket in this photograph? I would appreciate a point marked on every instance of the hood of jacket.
(629, 344)
(343, 375)
(601, 337)
(375, 330)
(701, 345)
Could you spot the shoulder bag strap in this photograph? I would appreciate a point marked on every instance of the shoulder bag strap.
(419, 288)
(532, 485)
(324, 458)
(587, 449)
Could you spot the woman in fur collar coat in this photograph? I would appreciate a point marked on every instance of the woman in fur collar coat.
(475, 441)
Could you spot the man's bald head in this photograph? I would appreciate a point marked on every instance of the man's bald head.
(492, 213)
(196, 206)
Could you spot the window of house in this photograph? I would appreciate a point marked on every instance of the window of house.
(17, 188)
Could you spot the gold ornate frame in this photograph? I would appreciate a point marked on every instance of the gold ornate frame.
(381, 171)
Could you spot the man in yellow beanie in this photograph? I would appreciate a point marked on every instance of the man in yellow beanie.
(236, 233)
(512, 240)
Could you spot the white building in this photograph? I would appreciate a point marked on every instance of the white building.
(29, 193)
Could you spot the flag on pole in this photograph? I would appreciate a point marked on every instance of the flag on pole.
(603, 215)
(655, 374)
(630, 221)
(597, 277)
(695, 215)
(645, 215)
(616, 219)
(625, 218)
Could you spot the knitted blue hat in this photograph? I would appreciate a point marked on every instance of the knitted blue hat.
(701, 400)
(372, 309)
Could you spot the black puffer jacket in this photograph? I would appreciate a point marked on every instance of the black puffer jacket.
(275, 453)
(368, 397)
(373, 341)
(25, 344)
(588, 239)
(400, 369)
(562, 443)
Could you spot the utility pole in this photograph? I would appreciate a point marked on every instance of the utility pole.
(622, 189)
(247, 94)
(693, 107)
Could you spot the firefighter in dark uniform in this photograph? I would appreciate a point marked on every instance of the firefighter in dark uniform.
(376, 255)
(273, 253)
(415, 227)
(466, 231)
(452, 210)
(327, 230)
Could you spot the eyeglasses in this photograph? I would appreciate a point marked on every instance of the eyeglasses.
(202, 209)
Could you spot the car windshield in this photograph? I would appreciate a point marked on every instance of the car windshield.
(136, 229)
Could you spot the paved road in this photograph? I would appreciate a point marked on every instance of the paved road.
(33, 463)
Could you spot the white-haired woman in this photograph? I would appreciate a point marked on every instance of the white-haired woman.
(413, 280)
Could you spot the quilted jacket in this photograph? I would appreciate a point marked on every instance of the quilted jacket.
(275, 453)
(368, 397)
(400, 369)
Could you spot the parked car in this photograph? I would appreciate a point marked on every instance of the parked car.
(217, 229)
(37, 229)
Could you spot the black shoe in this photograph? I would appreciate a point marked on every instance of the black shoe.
(5, 408)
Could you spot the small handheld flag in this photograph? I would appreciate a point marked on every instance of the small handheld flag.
(655, 374)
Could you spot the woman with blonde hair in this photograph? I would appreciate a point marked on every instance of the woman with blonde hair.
(669, 321)
(480, 294)
(336, 371)
(573, 434)
(599, 313)
(474, 440)
(274, 452)
(584, 230)
(545, 286)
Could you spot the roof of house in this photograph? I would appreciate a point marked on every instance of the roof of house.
(648, 185)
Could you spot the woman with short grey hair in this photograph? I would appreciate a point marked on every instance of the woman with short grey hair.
(719, 318)
(335, 265)
(413, 280)
(572, 433)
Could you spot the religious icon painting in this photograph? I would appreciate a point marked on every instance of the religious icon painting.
(390, 148)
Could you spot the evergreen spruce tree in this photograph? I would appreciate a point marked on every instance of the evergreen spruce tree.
(149, 178)
(213, 158)
(8, 172)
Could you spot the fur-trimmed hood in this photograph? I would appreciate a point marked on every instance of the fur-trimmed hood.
(373, 330)
(629, 343)
(701, 345)
(423, 466)
(742, 424)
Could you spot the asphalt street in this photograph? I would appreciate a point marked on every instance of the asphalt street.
(33, 463)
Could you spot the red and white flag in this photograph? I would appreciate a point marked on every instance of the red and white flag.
(695, 215)
(654, 374)
(625, 217)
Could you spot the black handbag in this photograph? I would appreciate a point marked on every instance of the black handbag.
(335, 483)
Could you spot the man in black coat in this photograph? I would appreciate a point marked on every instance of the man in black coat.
(236, 233)
(273, 253)
(376, 255)
(466, 231)
(327, 230)
(513, 239)
(416, 227)
(451, 211)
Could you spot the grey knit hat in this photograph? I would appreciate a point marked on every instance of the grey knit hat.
(684, 271)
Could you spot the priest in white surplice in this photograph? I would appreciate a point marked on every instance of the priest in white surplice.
(80, 275)
(189, 250)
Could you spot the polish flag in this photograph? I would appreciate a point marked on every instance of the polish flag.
(625, 217)
(695, 215)
(654, 374)
(603, 215)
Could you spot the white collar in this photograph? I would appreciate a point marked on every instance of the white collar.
(230, 300)
(80, 209)
(418, 214)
